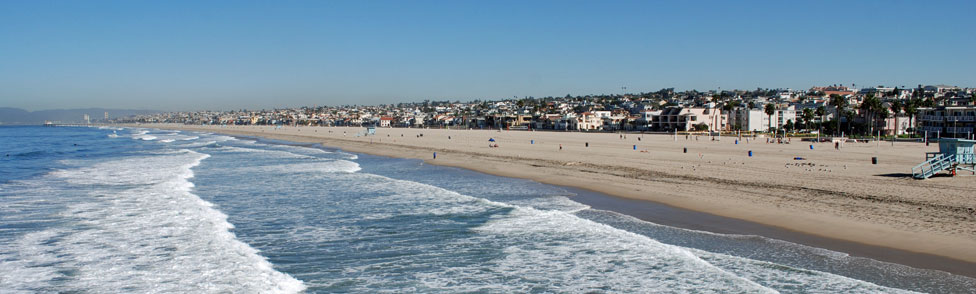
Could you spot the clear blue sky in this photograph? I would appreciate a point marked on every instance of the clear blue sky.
(190, 55)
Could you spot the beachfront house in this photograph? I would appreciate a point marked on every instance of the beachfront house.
(897, 125)
(645, 120)
(756, 120)
(590, 120)
(746, 119)
(567, 122)
(782, 116)
(685, 119)
(947, 121)
(385, 121)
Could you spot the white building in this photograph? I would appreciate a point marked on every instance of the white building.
(749, 120)
(685, 119)
(756, 120)
(782, 116)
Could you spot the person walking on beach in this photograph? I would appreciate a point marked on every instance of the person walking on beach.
(560, 147)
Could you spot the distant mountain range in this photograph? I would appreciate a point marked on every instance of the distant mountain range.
(17, 116)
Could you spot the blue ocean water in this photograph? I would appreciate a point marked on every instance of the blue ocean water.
(140, 210)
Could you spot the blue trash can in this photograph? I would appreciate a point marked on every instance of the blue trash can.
(750, 153)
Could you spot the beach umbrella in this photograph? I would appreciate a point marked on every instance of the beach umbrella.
(491, 139)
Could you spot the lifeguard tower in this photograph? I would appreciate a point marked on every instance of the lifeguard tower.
(370, 131)
(953, 155)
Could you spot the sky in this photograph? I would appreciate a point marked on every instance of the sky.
(222, 55)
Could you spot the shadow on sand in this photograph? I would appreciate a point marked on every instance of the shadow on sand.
(909, 176)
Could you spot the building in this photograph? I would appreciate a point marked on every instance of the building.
(385, 121)
(938, 91)
(685, 119)
(947, 121)
(782, 116)
(756, 120)
(749, 120)
(591, 120)
(898, 125)
(646, 120)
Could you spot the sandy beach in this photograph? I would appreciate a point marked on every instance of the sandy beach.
(834, 194)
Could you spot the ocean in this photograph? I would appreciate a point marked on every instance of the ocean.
(130, 210)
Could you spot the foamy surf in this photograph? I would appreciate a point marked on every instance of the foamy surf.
(141, 230)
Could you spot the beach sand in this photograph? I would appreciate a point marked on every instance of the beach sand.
(832, 194)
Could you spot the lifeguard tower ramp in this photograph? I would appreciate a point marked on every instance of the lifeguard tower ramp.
(953, 155)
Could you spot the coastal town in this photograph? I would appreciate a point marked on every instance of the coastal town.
(926, 110)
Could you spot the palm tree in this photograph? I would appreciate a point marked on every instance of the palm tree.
(807, 117)
(838, 102)
(896, 107)
(911, 109)
(821, 112)
(883, 114)
(869, 108)
(770, 110)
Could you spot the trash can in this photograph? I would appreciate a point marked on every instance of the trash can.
(686, 149)
(750, 153)
(874, 160)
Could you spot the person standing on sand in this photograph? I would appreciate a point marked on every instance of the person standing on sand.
(560, 147)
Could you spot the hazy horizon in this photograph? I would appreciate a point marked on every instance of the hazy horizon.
(184, 55)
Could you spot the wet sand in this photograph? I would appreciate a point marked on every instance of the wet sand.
(687, 219)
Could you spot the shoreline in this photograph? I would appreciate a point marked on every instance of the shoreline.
(664, 214)
(852, 237)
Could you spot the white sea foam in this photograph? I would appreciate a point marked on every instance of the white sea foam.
(275, 153)
(141, 230)
(553, 250)
(306, 164)
(219, 138)
(144, 137)
(199, 144)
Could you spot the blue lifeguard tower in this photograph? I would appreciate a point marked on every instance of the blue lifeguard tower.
(370, 131)
(953, 155)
